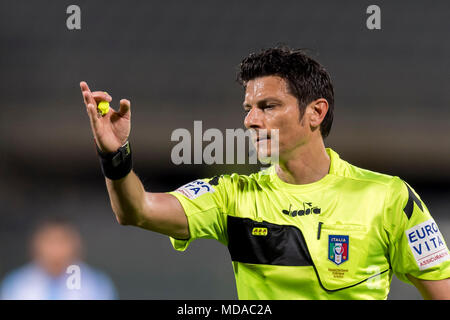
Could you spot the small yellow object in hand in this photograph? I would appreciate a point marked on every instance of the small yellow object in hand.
(103, 107)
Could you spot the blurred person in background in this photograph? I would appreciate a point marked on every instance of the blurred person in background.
(55, 246)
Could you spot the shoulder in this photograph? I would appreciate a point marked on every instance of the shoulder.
(93, 273)
(240, 182)
(392, 188)
(346, 170)
(18, 280)
(21, 274)
(95, 283)
(398, 199)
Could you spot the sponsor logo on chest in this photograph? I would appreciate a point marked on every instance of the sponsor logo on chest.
(307, 208)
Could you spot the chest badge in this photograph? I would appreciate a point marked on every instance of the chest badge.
(338, 246)
(259, 232)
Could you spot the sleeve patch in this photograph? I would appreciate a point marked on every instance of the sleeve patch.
(427, 244)
(195, 189)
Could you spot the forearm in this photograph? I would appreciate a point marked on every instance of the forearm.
(159, 212)
(127, 197)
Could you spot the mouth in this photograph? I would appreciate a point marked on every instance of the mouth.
(262, 140)
(258, 137)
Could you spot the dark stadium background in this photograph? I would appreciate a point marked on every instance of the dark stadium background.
(176, 61)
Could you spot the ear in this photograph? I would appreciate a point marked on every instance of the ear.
(317, 111)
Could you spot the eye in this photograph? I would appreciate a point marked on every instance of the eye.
(269, 106)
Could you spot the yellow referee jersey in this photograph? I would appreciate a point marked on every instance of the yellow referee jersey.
(341, 237)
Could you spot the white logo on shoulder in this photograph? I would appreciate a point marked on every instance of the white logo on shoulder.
(427, 244)
(195, 189)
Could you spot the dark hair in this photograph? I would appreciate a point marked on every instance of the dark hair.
(307, 79)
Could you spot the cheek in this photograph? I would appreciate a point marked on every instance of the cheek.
(292, 134)
(288, 122)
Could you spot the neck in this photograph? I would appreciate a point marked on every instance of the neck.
(307, 164)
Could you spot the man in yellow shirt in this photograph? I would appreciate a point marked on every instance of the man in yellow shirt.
(312, 226)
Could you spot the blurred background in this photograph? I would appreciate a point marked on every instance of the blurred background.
(177, 61)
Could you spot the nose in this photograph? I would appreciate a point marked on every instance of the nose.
(254, 119)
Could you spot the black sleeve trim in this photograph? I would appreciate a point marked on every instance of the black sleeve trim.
(409, 207)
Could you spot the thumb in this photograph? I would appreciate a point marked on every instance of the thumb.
(124, 108)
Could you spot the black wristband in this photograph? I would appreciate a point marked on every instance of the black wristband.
(116, 165)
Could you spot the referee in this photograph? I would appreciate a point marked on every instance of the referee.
(312, 226)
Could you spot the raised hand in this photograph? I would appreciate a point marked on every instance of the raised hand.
(110, 131)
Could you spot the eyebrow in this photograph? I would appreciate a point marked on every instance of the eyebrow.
(263, 102)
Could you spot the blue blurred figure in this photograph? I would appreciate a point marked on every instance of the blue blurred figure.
(56, 271)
